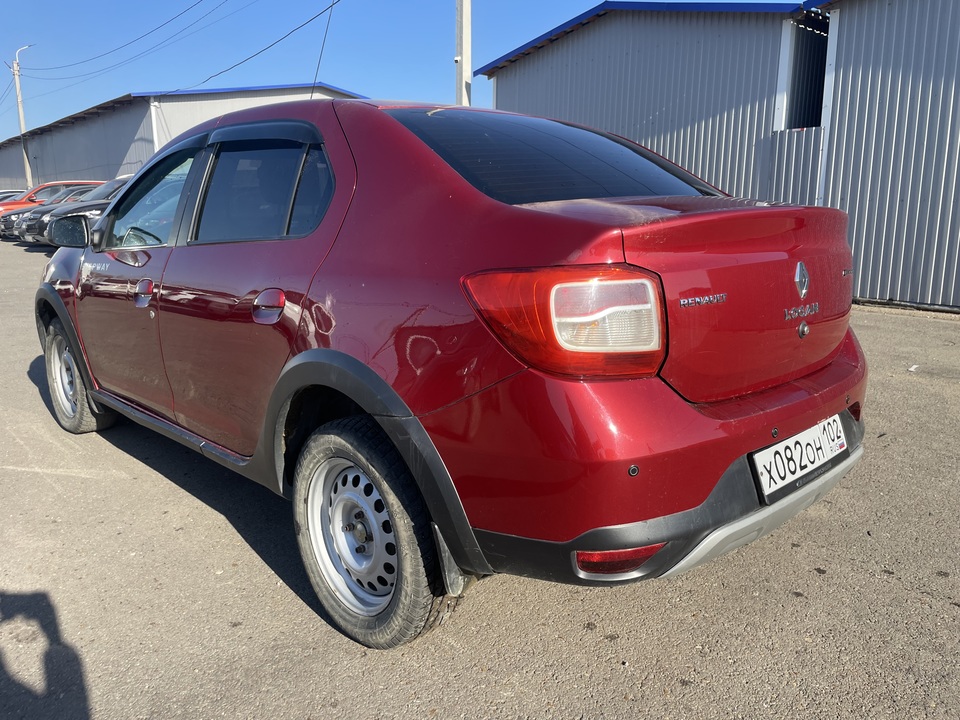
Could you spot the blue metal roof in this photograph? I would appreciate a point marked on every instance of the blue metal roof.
(252, 88)
(603, 8)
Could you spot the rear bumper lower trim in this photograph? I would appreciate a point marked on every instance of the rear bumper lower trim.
(757, 524)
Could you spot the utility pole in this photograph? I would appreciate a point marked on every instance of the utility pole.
(23, 124)
(463, 59)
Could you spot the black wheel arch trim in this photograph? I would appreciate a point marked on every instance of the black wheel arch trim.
(47, 295)
(349, 376)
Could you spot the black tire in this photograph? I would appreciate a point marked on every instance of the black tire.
(365, 536)
(68, 393)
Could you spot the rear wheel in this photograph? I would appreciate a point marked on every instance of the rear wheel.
(365, 536)
(68, 393)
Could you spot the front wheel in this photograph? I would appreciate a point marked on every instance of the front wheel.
(68, 393)
(365, 537)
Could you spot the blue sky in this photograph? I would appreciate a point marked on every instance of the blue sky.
(380, 48)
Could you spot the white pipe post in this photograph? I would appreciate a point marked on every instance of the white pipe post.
(23, 124)
(463, 59)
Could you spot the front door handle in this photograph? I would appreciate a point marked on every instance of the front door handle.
(268, 306)
(143, 292)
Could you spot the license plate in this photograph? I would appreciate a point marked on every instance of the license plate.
(792, 463)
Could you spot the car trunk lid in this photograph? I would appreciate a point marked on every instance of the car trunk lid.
(755, 295)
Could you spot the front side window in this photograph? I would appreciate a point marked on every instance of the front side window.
(145, 216)
(61, 196)
(107, 190)
(47, 193)
(77, 193)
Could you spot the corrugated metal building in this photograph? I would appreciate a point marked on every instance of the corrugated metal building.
(853, 104)
(118, 136)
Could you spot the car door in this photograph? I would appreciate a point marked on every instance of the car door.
(232, 293)
(119, 283)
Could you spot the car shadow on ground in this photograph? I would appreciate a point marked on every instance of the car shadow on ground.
(36, 248)
(263, 519)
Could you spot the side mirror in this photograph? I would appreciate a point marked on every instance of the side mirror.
(69, 231)
(96, 238)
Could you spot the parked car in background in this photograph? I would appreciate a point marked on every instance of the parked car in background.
(36, 223)
(464, 342)
(11, 210)
(42, 193)
(30, 216)
(8, 194)
(11, 222)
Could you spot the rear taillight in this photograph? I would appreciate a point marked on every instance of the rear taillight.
(579, 321)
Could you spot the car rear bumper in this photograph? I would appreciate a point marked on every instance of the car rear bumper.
(731, 517)
(546, 467)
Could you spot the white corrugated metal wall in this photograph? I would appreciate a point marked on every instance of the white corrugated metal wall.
(893, 157)
(700, 88)
(795, 163)
(697, 88)
(116, 141)
(175, 114)
(119, 137)
(11, 168)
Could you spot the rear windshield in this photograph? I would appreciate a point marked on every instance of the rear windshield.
(518, 159)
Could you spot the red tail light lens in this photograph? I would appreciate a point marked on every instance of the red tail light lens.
(578, 321)
(614, 562)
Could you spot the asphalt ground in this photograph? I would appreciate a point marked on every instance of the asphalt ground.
(139, 580)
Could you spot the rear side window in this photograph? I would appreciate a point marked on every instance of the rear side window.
(517, 159)
(261, 189)
(314, 192)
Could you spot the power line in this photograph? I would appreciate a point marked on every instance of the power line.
(172, 40)
(158, 46)
(261, 51)
(121, 47)
(6, 91)
(316, 74)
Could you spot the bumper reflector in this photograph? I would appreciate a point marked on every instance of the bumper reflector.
(614, 562)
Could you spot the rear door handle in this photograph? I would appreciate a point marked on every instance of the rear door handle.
(268, 306)
(143, 292)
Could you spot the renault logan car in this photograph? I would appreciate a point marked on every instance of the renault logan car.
(464, 342)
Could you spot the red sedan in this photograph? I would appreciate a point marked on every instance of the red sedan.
(464, 342)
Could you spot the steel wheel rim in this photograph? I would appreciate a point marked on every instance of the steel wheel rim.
(352, 536)
(65, 377)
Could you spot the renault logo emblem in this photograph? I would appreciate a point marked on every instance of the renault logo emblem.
(802, 279)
